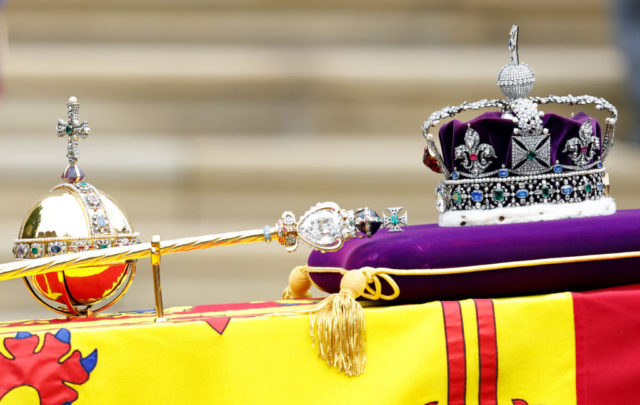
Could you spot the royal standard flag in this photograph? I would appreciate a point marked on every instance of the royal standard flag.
(557, 349)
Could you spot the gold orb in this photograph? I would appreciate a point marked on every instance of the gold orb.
(76, 217)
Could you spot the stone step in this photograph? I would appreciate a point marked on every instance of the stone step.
(387, 22)
(277, 90)
(541, 6)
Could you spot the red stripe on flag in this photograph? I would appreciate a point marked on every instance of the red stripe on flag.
(607, 324)
(456, 361)
(488, 352)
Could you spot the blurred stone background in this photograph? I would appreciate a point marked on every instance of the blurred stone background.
(214, 116)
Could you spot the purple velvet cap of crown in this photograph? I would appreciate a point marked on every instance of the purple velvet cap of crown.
(430, 246)
(497, 132)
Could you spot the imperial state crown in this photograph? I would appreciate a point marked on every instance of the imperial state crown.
(520, 164)
(75, 217)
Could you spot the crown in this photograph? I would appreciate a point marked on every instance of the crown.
(518, 163)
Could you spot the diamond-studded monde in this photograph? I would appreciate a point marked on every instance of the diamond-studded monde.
(516, 81)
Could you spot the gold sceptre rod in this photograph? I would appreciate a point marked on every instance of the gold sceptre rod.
(324, 226)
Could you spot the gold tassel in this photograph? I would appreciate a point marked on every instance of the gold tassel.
(337, 326)
(299, 284)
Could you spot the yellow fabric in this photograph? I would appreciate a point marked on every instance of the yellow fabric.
(21, 395)
(266, 359)
(536, 349)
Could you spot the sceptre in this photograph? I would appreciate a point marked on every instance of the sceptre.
(324, 227)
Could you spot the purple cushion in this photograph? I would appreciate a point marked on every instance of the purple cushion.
(431, 246)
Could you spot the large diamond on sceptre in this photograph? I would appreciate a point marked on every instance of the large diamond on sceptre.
(324, 227)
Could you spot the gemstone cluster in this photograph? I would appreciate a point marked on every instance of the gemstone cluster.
(519, 191)
(93, 203)
(326, 226)
(44, 247)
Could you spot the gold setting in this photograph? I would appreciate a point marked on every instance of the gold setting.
(155, 265)
(107, 301)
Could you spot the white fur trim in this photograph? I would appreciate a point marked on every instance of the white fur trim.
(533, 213)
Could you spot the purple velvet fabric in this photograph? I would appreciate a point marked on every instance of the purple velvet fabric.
(497, 132)
(431, 246)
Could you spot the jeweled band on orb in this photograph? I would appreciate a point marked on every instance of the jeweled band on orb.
(34, 248)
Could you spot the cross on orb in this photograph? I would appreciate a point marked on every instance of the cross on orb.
(74, 130)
